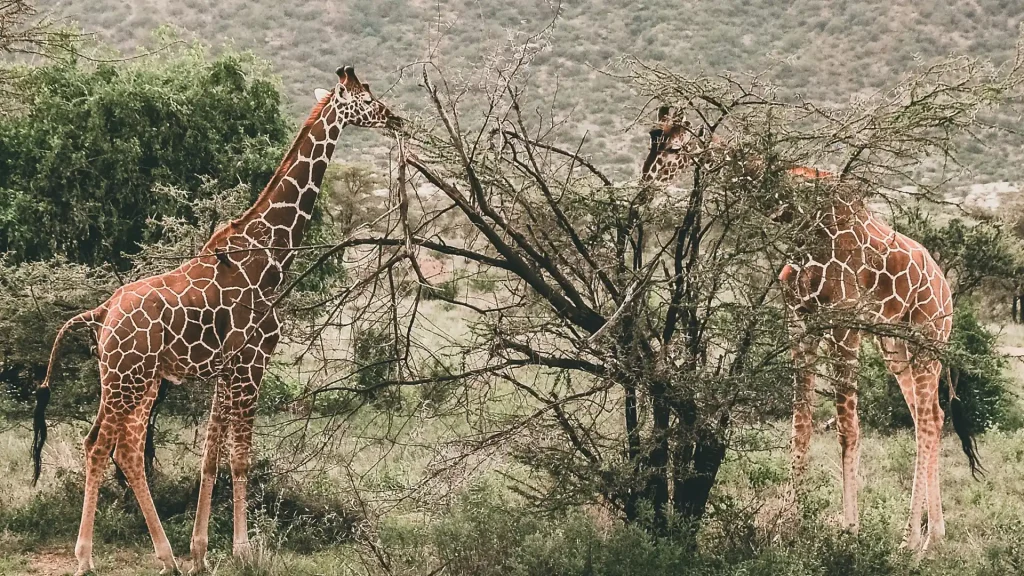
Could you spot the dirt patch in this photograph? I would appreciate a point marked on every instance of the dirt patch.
(1013, 351)
(52, 563)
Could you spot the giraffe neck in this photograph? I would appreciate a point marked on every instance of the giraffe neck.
(279, 216)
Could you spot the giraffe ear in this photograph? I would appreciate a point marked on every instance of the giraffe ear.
(320, 94)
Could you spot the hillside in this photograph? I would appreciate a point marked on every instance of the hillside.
(821, 49)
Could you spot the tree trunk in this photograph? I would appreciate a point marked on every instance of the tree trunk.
(656, 491)
(695, 475)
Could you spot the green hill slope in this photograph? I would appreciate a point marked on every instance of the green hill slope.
(822, 49)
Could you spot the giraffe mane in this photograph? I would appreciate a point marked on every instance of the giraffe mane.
(275, 180)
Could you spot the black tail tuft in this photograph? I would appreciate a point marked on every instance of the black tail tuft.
(150, 451)
(39, 431)
(962, 426)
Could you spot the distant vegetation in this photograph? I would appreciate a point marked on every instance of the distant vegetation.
(817, 49)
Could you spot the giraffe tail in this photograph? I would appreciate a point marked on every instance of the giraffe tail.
(43, 391)
(962, 427)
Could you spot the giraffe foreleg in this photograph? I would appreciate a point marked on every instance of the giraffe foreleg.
(215, 429)
(804, 353)
(847, 348)
(240, 432)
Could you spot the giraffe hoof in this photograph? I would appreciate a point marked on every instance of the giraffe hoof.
(171, 569)
(910, 544)
(243, 551)
(933, 540)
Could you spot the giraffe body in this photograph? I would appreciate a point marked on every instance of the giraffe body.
(882, 278)
(862, 267)
(212, 318)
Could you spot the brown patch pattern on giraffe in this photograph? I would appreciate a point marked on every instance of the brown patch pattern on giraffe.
(211, 318)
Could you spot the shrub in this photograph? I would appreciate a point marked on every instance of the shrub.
(486, 533)
(276, 391)
(447, 290)
(374, 354)
(299, 518)
(977, 368)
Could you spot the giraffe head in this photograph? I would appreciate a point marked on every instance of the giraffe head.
(356, 105)
(674, 144)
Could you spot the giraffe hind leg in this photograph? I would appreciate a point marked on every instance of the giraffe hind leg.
(129, 453)
(897, 358)
(98, 444)
(928, 384)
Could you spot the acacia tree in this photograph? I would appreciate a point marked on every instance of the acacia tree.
(23, 32)
(618, 337)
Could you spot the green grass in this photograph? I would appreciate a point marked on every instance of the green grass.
(981, 516)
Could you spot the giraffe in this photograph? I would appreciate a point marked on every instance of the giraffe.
(865, 268)
(212, 318)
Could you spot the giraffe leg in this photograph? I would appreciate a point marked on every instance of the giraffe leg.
(804, 353)
(241, 442)
(208, 476)
(98, 444)
(897, 359)
(931, 413)
(846, 343)
(129, 454)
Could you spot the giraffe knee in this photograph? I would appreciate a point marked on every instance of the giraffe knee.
(92, 437)
(239, 466)
(129, 458)
(849, 436)
(847, 426)
(210, 466)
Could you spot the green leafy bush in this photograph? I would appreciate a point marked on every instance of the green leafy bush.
(447, 290)
(485, 533)
(79, 165)
(375, 355)
(977, 368)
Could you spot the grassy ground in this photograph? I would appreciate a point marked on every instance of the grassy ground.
(982, 517)
(978, 513)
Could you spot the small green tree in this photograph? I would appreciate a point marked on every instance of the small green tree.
(78, 165)
(971, 253)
